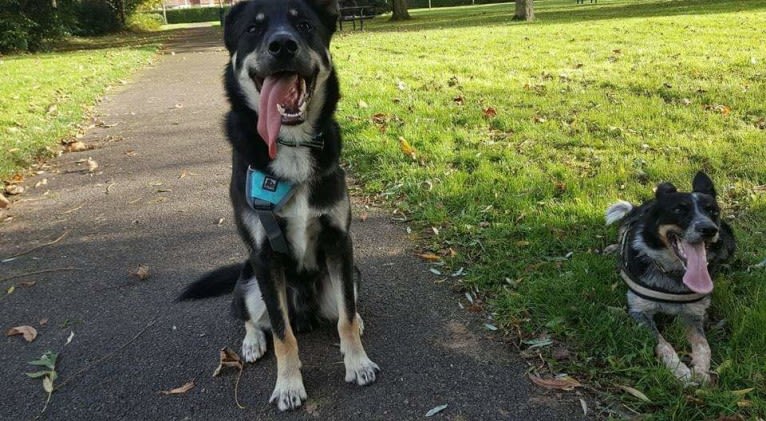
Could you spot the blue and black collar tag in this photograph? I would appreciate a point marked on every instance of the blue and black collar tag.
(267, 194)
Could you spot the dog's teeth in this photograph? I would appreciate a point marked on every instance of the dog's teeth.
(281, 109)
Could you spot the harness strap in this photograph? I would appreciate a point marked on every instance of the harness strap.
(266, 195)
(645, 291)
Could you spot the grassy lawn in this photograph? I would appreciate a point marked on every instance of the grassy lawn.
(45, 97)
(525, 133)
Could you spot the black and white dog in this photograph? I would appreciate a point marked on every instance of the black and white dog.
(288, 191)
(669, 246)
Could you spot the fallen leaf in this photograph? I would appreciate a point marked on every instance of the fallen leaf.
(14, 189)
(179, 390)
(564, 382)
(429, 257)
(489, 112)
(92, 164)
(539, 119)
(4, 202)
(76, 146)
(43, 182)
(742, 392)
(362, 104)
(220, 221)
(228, 358)
(27, 284)
(363, 216)
(584, 406)
(43, 322)
(686, 101)
(459, 100)
(10, 290)
(69, 339)
(52, 109)
(28, 332)
(435, 271)
(141, 272)
(490, 326)
(401, 85)
(634, 392)
(406, 148)
(435, 410)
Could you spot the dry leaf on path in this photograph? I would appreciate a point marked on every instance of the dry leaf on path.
(228, 358)
(489, 112)
(429, 257)
(13, 189)
(76, 146)
(179, 390)
(28, 332)
(561, 383)
(92, 164)
(141, 272)
(4, 202)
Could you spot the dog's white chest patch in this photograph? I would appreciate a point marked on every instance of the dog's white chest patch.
(303, 228)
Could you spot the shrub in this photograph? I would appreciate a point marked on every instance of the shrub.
(197, 14)
(96, 17)
(144, 22)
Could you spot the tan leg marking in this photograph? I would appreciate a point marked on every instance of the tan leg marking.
(289, 392)
(700, 354)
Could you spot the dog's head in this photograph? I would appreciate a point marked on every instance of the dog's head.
(686, 224)
(280, 58)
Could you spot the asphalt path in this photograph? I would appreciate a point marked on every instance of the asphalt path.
(158, 198)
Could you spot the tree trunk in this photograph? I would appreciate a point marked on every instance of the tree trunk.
(525, 10)
(399, 10)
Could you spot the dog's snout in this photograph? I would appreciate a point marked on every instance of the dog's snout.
(707, 229)
(283, 45)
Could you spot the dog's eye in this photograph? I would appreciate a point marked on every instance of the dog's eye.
(680, 209)
(252, 28)
(303, 26)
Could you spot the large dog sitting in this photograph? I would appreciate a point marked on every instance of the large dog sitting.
(288, 191)
(669, 246)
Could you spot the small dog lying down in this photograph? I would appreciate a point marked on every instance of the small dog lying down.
(669, 248)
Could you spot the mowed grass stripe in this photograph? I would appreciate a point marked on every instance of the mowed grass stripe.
(45, 97)
(593, 104)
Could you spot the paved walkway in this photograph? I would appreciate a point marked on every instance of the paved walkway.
(159, 198)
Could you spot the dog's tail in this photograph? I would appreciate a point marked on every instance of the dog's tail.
(617, 211)
(218, 282)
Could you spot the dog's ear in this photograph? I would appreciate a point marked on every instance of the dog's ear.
(232, 29)
(664, 188)
(329, 7)
(703, 184)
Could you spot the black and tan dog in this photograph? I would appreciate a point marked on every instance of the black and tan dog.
(669, 246)
(288, 191)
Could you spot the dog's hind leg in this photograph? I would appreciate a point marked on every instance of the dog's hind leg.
(700, 350)
(254, 344)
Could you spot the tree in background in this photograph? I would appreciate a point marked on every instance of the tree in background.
(399, 8)
(525, 10)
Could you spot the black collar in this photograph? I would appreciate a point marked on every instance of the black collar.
(316, 142)
(645, 291)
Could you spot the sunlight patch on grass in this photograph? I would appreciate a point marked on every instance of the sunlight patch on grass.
(593, 104)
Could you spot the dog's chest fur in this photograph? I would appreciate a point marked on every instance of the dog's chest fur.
(302, 228)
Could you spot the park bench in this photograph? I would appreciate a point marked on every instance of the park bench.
(353, 12)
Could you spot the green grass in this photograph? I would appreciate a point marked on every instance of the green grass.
(44, 98)
(593, 103)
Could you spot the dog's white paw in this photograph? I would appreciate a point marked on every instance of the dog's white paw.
(254, 345)
(360, 369)
(288, 393)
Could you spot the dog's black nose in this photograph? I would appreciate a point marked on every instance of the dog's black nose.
(707, 230)
(283, 45)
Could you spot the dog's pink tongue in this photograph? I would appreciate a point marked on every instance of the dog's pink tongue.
(275, 90)
(697, 278)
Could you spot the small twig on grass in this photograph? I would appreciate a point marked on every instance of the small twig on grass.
(106, 356)
(24, 275)
(60, 237)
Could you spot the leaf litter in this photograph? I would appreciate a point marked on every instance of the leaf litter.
(229, 358)
(28, 332)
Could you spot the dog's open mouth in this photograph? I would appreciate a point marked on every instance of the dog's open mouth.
(284, 100)
(694, 258)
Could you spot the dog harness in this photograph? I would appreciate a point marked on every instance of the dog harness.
(266, 195)
(650, 292)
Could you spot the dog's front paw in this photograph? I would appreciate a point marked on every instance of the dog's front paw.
(254, 345)
(288, 394)
(360, 369)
